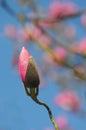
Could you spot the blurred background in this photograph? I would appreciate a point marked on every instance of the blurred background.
(54, 32)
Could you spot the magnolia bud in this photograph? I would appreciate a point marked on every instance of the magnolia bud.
(28, 69)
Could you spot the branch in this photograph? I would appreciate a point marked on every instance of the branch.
(40, 17)
(23, 18)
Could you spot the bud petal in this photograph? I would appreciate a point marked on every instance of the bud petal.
(23, 63)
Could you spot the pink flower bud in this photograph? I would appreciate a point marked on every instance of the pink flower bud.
(28, 70)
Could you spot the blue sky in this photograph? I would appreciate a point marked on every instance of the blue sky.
(17, 111)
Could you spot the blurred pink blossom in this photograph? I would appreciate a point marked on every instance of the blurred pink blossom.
(68, 100)
(62, 122)
(61, 53)
(82, 46)
(10, 31)
(58, 9)
(22, 35)
(36, 32)
(45, 40)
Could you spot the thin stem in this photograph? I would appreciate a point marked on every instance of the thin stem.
(45, 105)
(49, 112)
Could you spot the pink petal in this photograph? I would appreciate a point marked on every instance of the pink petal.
(23, 62)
